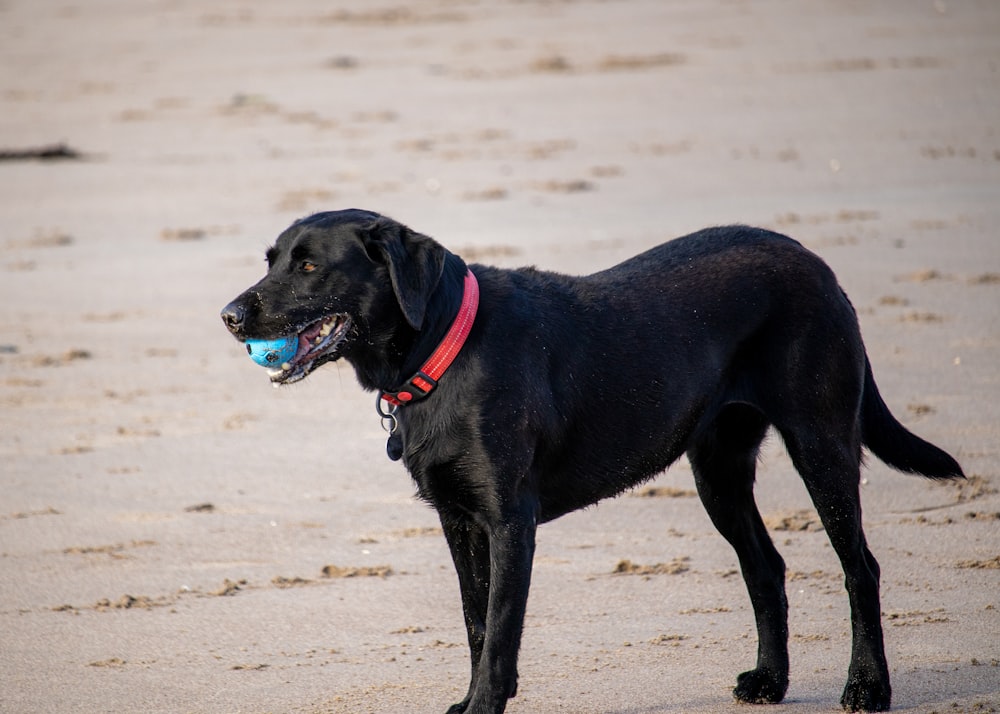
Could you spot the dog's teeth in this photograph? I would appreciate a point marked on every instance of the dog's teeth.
(325, 330)
(285, 366)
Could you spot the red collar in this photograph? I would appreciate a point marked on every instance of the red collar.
(423, 382)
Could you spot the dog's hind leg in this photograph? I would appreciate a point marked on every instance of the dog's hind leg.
(724, 459)
(830, 466)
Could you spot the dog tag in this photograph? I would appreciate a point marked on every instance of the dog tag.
(394, 447)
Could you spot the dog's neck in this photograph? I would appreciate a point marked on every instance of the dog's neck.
(386, 363)
(424, 380)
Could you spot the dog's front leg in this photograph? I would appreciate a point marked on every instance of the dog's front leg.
(511, 547)
(470, 550)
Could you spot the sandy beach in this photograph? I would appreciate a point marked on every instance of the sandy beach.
(177, 536)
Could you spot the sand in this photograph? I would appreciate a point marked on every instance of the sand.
(177, 536)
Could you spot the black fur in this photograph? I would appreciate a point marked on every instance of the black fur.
(573, 389)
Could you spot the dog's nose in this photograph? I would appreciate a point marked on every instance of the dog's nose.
(234, 316)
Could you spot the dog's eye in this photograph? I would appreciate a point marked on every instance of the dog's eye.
(307, 267)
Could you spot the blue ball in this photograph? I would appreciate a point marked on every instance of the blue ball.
(272, 353)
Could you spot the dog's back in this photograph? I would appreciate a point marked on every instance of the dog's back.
(631, 361)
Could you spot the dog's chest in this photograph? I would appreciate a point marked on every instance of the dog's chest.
(435, 459)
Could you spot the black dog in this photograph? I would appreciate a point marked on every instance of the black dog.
(567, 390)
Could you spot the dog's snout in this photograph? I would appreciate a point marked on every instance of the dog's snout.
(234, 317)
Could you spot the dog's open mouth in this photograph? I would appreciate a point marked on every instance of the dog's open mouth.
(319, 342)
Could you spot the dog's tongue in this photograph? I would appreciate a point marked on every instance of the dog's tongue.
(311, 333)
(306, 338)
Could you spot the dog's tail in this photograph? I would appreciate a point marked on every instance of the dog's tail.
(892, 443)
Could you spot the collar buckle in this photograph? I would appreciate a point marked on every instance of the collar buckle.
(416, 388)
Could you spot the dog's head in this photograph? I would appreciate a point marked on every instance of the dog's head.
(340, 282)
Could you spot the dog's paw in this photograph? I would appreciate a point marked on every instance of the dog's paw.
(759, 686)
(866, 695)
(457, 708)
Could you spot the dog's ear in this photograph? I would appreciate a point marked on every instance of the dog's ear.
(415, 264)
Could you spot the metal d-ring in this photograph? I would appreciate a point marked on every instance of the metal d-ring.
(389, 421)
